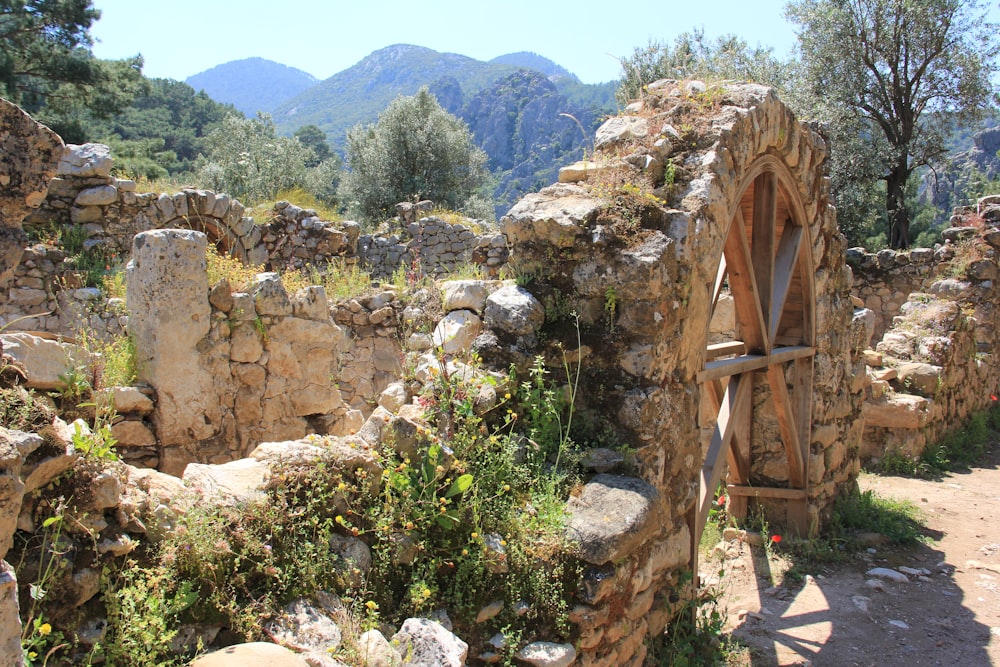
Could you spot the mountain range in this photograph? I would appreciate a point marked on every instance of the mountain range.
(516, 105)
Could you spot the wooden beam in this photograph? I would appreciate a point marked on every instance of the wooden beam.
(765, 201)
(784, 271)
(790, 353)
(740, 463)
(788, 425)
(765, 492)
(738, 455)
(737, 392)
(743, 285)
(716, 350)
(745, 363)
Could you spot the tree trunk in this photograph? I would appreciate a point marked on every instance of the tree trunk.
(895, 204)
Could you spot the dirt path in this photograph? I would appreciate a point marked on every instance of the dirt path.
(946, 613)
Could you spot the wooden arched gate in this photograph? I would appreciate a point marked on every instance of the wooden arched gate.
(762, 373)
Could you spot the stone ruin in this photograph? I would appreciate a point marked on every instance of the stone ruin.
(724, 280)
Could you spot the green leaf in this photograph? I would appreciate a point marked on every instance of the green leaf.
(449, 520)
(51, 521)
(460, 485)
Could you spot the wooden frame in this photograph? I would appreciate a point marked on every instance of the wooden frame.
(768, 265)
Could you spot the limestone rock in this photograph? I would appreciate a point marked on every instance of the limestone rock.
(547, 654)
(611, 517)
(393, 397)
(10, 620)
(131, 433)
(355, 559)
(254, 654)
(227, 483)
(125, 400)
(44, 360)
(619, 130)
(167, 295)
(456, 331)
(86, 161)
(513, 310)
(582, 170)
(287, 453)
(897, 411)
(29, 154)
(269, 296)
(922, 379)
(556, 215)
(53, 455)
(102, 195)
(426, 643)
(376, 651)
(304, 626)
(15, 446)
(310, 303)
(464, 295)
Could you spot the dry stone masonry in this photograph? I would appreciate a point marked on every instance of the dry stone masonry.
(617, 271)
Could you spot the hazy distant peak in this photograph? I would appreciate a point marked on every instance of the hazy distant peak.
(531, 60)
(252, 84)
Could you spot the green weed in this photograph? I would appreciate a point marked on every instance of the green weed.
(867, 512)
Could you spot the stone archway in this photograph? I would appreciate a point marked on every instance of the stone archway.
(746, 208)
(217, 215)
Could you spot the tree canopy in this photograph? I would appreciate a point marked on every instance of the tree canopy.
(47, 67)
(888, 76)
(416, 150)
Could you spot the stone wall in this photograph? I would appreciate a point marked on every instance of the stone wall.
(229, 369)
(48, 294)
(29, 153)
(936, 364)
(434, 247)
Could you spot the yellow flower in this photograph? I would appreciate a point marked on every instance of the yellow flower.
(372, 605)
(44, 629)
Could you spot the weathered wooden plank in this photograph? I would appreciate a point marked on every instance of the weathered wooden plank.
(720, 368)
(737, 392)
(765, 197)
(716, 350)
(742, 284)
(743, 491)
(784, 270)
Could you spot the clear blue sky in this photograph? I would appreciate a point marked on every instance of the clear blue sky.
(179, 38)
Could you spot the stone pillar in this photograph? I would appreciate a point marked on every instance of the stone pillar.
(170, 315)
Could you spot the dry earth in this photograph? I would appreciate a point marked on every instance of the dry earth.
(837, 615)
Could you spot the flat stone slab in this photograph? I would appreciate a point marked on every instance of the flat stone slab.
(612, 516)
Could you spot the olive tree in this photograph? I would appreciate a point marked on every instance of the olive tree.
(693, 55)
(416, 150)
(889, 76)
(247, 159)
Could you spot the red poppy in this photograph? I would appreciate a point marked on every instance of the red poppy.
(721, 501)
(993, 396)
(776, 539)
